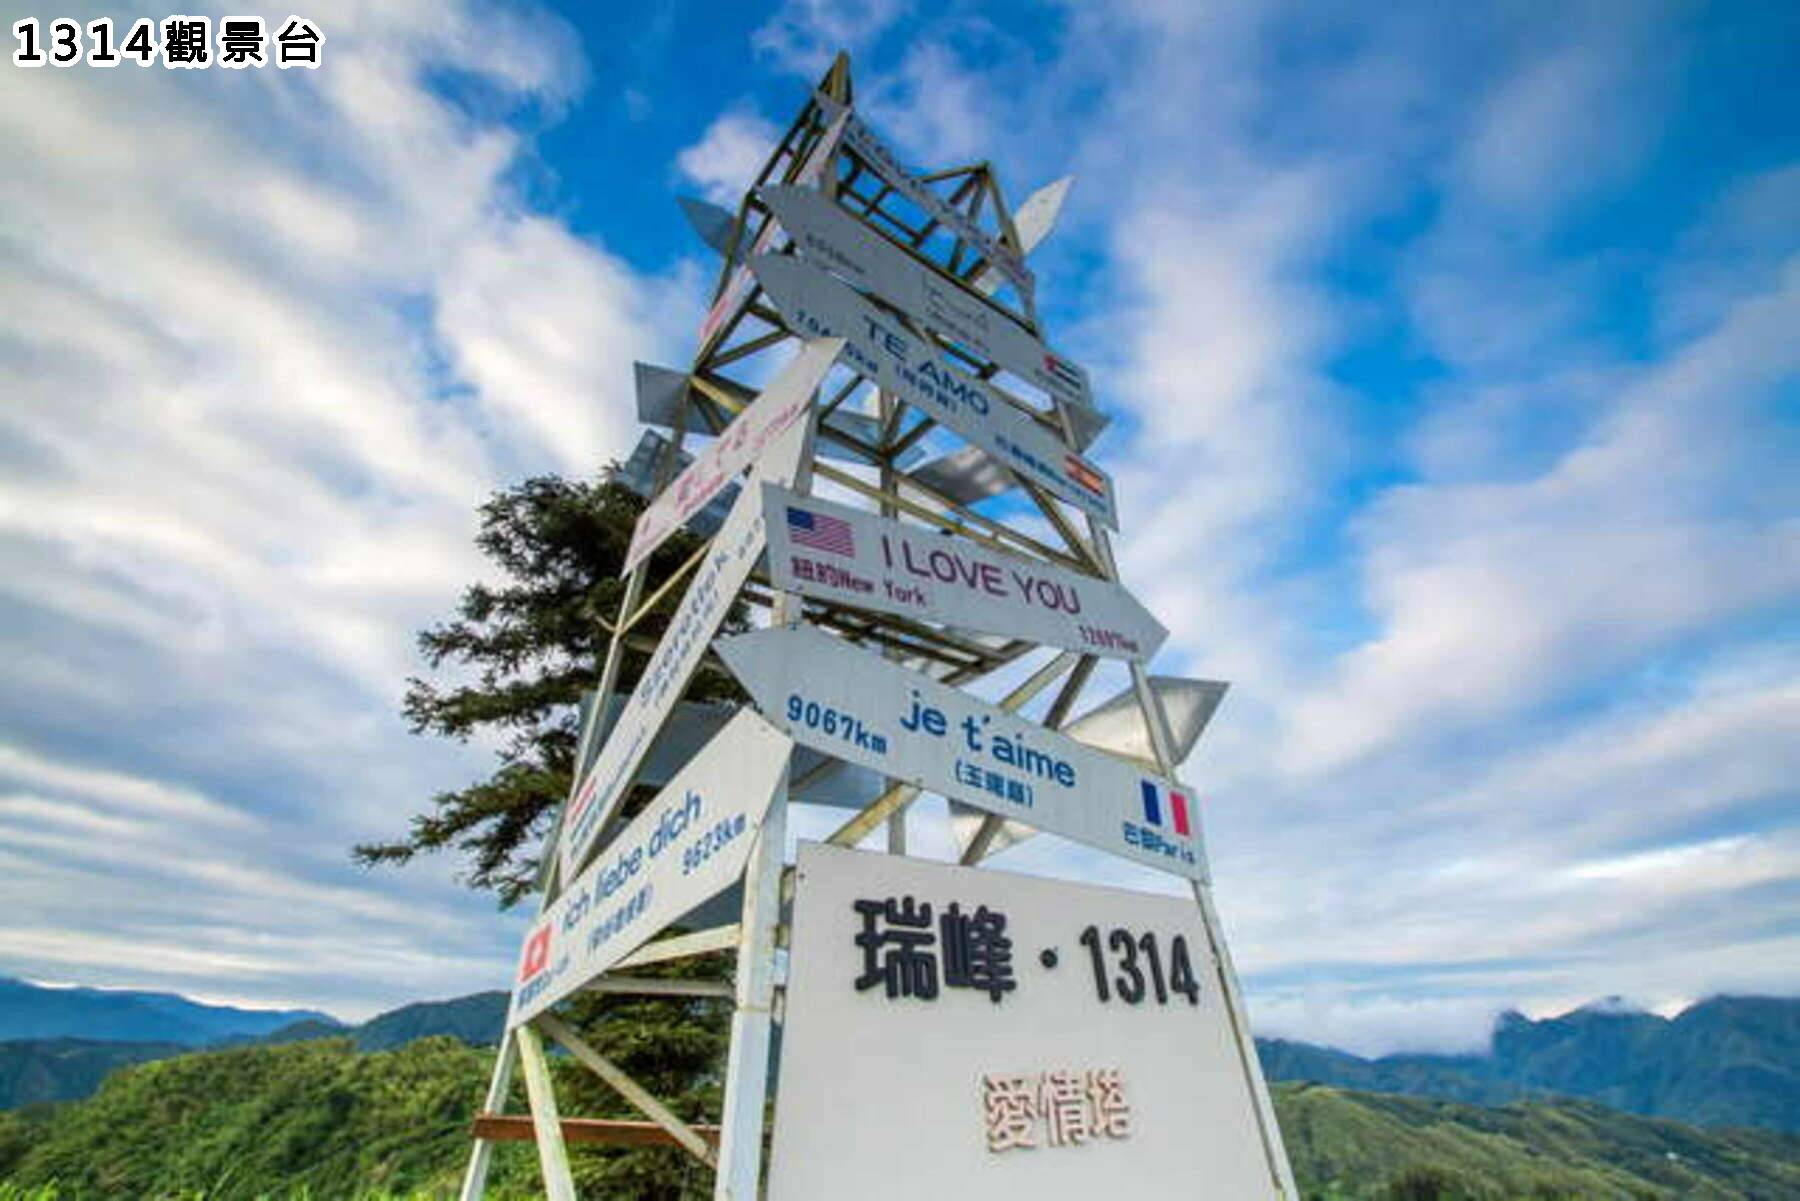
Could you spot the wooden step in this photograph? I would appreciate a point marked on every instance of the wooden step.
(611, 1132)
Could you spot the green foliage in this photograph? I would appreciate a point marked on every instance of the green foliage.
(35, 1070)
(1387, 1148)
(515, 661)
(320, 1121)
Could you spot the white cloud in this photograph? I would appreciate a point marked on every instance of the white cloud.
(725, 160)
(804, 36)
(263, 358)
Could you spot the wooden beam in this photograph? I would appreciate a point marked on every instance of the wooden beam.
(655, 986)
(605, 1132)
(622, 1083)
(700, 942)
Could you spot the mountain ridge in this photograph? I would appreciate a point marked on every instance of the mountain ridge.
(38, 1011)
(322, 1118)
(1723, 1062)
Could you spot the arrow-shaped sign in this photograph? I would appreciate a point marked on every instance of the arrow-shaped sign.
(836, 553)
(878, 347)
(736, 448)
(689, 843)
(836, 698)
(872, 150)
(709, 596)
(840, 243)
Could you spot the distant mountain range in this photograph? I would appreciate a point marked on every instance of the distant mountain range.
(57, 1044)
(35, 1011)
(317, 1118)
(1727, 1061)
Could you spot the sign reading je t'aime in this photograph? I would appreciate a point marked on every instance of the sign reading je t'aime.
(853, 249)
(688, 844)
(844, 701)
(878, 347)
(837, 553)
(960, 1033)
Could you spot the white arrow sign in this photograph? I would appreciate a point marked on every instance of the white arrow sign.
(691, 842)
(876, 346)
(729, 560)
(846, 702)
(872, 150)
(848, 247)
(837, 553)
(740, 445)
(740, 283)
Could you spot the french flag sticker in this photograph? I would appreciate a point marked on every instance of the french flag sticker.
(1162, 803)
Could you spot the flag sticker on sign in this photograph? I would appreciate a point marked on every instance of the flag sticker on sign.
(1065, 371)
(537, 954)
(1084, 474)
(820, 531)
(1155, 795)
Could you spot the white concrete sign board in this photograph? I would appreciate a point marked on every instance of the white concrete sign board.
(850, 248)
(959, 1033)
(879, 348)
(836, 553)
(741, 443)
(844, 701)
(872, 150)
(691, 842)
(714, 586)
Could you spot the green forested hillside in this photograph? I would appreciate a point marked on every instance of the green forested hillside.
(1727, 1061)
(34, 1070)
(323, 1117)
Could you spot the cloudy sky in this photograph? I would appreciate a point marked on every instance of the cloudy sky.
(1456, 375)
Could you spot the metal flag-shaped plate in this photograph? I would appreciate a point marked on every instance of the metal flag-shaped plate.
(846, 702)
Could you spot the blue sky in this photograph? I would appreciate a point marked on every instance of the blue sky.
(1454, 368)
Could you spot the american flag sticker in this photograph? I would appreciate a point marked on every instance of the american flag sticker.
(1161, 800)
(820, 531)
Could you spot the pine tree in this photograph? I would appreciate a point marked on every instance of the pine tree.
(515, 661)
(517, 658)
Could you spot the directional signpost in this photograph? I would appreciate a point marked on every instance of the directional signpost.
(946, 1030)
(861, 708)
(852, 556)
(847, 247)
(880, 348)
(692, 841)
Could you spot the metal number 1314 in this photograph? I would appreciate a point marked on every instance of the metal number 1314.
(1132, 956)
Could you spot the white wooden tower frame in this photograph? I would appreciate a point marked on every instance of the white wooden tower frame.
(866, 457)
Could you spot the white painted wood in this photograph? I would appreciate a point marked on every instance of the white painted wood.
(747, 1068)
(553, 1156)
